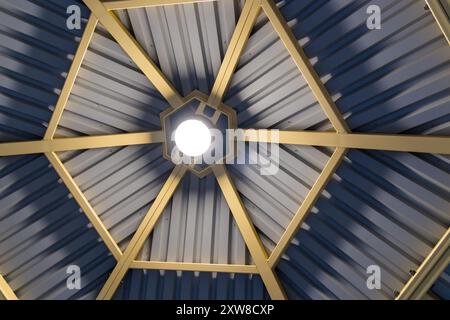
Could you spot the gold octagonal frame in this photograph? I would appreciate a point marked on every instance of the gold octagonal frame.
(342, 140)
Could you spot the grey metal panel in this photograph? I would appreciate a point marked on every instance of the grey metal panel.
(441, 287)
(382, 208)
(272, 200)
(154, 284)
(43, 232)
(36, 50)
(110, 95)
(188, 41)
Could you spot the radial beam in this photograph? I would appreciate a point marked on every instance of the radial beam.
(123, 37)
(79, 143)
(304, 65)
(84, 204)
(6, 290)
(248, 231)
(440, 16)
(386, 142)
(71, 76)
(306, 206)
(240, 36)
(202, 267)
(429, 270)
(142, 233)
(133, 4)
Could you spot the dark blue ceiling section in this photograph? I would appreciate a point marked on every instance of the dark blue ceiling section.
(43, 232)
(36, 53)
(382, 208)
(158, 284)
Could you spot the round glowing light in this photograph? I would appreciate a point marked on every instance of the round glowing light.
(192, 137)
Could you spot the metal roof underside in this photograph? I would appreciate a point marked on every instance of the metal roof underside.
(382, 208)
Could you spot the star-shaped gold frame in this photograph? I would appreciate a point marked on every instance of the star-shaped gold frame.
(342, 140)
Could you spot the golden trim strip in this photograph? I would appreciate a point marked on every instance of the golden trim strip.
(84, 204)
(430, 269)
(133, 4)
(247, 20)
(142, 233)
(306, 206)
(79, 143)
(6, 290)
(202, 267)
(386, 142)
(139, 56)
(248, 231)
(304, 65)
(441, 17)
(71, 76)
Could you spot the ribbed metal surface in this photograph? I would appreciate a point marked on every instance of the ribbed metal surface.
(384, 209)
(381, 208)
(154, 284)
(441, 288)
(36, 53)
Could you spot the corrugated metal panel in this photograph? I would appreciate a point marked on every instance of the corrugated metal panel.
(441, 287)
(36, 53)
(43, 232)
(381, 208)
(153, 284)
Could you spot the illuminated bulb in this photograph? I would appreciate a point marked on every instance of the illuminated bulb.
(193, 138)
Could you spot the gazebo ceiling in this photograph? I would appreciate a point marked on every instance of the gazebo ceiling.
(351, 104)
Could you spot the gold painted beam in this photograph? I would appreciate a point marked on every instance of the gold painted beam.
(248, 231)
(123, 37)
(84, 204)
(386, 142)
(440, 16)
(79, 143)
(142, 233)
(245, 24)
(430, 269)
(306, 206)
(202, 267)
(304, 65)
(133, 4)
(6, 290)
(71, 76)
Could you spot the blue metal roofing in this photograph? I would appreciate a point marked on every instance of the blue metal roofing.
(381, 208)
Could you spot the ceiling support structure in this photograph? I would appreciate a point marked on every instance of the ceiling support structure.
(440, 16)
(427, 273)
(304, 65)
(385, 142)
(248, 231)
(244, 27)
(84, 205)
(134, 4)
(200, 267)
(80, 143)
(306, 206)
(142, 233)
(6, 290)
(342, 140)
(112, 23)
(71, 76)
